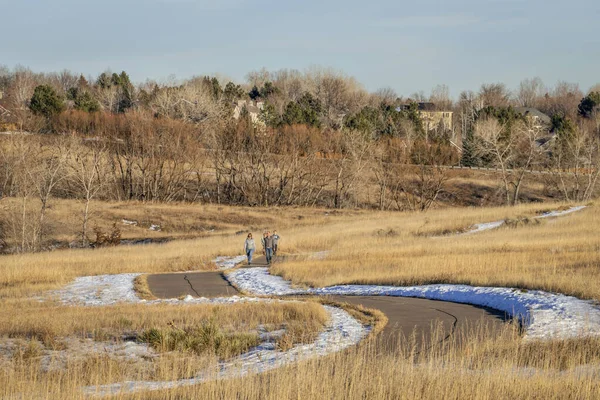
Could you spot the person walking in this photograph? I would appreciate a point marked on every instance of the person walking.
(262, 241)
(269, 247)
(275, 242)
(249, 248)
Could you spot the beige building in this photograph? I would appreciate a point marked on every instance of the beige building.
(432, 118)
(253, 108)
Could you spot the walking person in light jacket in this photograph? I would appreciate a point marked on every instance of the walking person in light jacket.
(249, 248)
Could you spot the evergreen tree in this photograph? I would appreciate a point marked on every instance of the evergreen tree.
(268, 89)
(127, 89)
(589, 104)
(46, 101)
(254, 93)
(84, 101)
(213, 86)
(232, 92)
(306, 110)
(104, 81)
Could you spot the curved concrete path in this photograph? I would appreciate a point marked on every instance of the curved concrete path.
(407, 317)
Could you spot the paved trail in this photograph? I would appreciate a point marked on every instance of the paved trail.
(406, 316)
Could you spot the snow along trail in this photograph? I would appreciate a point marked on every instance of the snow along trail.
(544, 315)
(102, 290)
(224, 263)
(486, 226)
(343, 331)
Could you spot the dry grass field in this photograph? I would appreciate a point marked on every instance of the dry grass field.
(447, 371)
(45, 348)
(556, 254)
(559, 255)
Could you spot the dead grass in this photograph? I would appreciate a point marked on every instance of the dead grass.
(140, 285)
(478, 366)
(559, 255)
(188, 338)
(29, 320)
(176, 220)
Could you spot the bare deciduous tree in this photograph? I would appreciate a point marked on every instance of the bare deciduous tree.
(87, 165)
(530, 92)
(494, 95)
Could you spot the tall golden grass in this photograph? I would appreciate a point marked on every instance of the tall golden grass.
(476, 366)
(559, 255)
(211, 332)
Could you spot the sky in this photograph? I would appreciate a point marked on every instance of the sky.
(410, 46)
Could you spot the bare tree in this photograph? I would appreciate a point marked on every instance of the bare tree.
(108, 97)
(494, 95)
(87, 164)
(528, 151)
(493, 142)
(530, 92)
(46, 169)
(386, 95)
(511, 151)
(562, 100)
(348, 166)
(440, 96)
(575, 164)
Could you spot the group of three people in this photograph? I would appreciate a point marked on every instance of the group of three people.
(269, 243)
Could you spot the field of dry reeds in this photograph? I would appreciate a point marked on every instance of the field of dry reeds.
(558, 254)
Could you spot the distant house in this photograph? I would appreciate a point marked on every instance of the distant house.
(536, 117)
(252, 107)
(431, 116)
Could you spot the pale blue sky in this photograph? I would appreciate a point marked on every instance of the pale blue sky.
(407, 45)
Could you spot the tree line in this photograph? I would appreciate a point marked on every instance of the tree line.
(321, 140)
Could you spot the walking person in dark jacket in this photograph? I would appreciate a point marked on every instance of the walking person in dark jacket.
(249, 248)
(268, 243)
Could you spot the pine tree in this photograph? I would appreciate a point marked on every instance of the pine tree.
(46, 101)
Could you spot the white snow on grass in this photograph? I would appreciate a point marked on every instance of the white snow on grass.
(544, 315)
(496, 224)
(106, 290)
(560, 213)
(342, 331)
(486, 226)
(103, 290)
(224, 263)
(99, 290)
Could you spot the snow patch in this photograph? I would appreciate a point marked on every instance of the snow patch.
(550, 214)
(224, 263)
(486, 226)
(99, 290)
(496, 224)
